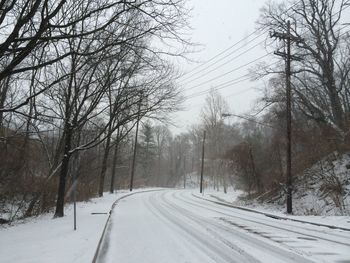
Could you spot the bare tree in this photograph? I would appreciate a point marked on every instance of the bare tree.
(320, 84)
(213, 123)
(78, 67)
(162, 136)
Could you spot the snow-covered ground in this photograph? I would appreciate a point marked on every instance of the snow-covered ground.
(322, 192)
(172, 226)
(47, 240)
(176, 226)
(232, 198)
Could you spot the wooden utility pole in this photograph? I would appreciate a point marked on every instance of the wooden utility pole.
(289, 181)
(288, 38)
(202, 168)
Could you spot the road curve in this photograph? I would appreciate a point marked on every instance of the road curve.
(175, 226)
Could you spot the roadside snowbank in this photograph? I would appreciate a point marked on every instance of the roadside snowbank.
(232, 197)
(43, 239)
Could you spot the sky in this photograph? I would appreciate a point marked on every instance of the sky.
(217, 26)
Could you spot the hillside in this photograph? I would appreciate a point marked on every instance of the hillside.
(323, 189)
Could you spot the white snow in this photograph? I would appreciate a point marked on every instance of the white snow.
(175, 226)
(232, 198)
(43, 239)
(172, 226)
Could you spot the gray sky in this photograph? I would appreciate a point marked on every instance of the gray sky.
(217, 25)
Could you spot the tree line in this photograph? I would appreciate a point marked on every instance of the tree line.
(251, 153)
(74, 78)
(77, 76)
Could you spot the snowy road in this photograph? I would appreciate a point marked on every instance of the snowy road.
(176, 226)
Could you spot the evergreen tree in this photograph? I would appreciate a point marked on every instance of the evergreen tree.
(147, 151)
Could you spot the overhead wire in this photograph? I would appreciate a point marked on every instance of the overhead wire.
(225, 63)
(224, 85)
(216, 62)
(236, 80)
(221, 86)
(229, 72)
(218, 55)
(228, 49)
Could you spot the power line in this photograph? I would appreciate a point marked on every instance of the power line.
(216, 62)
(215, 88)
(230, 95)
(229, 72)
(230, 47)
(342, 34)
(225, 63)
(236, 80)
(234, 51)
(247, 118)
(224, 85)
(214, 57)
(238, 92)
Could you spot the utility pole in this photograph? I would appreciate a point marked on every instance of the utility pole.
(288, 38)
(289, 181)
(135, 146)
(202, 168)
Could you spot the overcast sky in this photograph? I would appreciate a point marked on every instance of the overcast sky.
(217, 25)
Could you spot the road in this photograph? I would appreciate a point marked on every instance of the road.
(177, 226)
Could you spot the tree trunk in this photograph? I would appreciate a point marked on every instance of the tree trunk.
(114, 165)
(3, 95)
(63, 173)
(336, 106)
(184, 172)
(255, 176)
(224, 183)
(104, 164)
